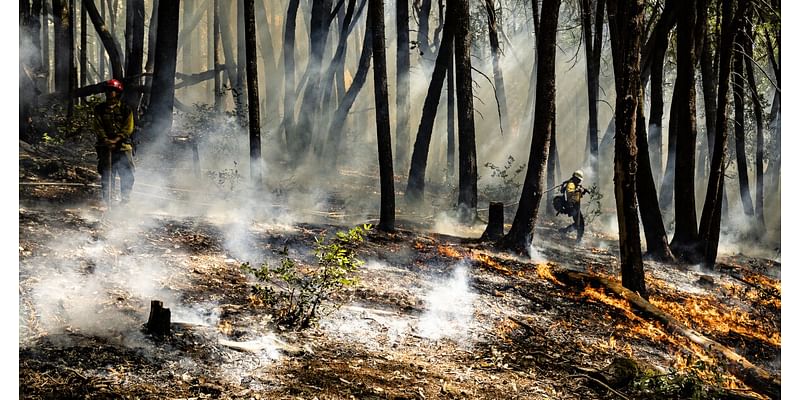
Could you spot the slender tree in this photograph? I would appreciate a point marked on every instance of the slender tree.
(159, 115)
(738, 125)
(151, 54)
(62, 45)
(593, 42)
(626, 23)
(712, 207)
(661, 44)
(494, 44)
(451, 111)
(467, 157)
(252, 92)
(83, 57)
(135, 57)
(403, 85)
(684, 241)
(419, 157)
(759, 116)
(289, 91)
(520, 235)
(109, 40)
(382, 116)
(219, 98)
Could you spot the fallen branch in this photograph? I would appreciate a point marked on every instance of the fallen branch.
(756, 377)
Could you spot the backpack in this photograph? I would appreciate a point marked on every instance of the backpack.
(560, 205)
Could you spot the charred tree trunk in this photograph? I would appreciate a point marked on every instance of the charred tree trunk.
(655, 138)
(759, 115)
(109, 41)
(467, 158)
(159, 115)
(158, 323)
(289, 91)
(535, 67)
(494, 43)
(336, 131)
(415, 189)
(133, 70)
(403, 85)
(382, 116)
(253, 108)
(424, 15)
(232, 70)
(451, 110)
(738, 126)
(241, 64)
(494, 228)
(151, 55)
(652, 221)
(62, 45)
(685, 240)
(708, 72)
(712, 208)
(520, 235)
(552, 156)
(667, 192)
(83, 61)
(219, 98)
(627, 16)
(46, 11)
(593, 45)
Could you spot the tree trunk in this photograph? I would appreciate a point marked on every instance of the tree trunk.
(382, 116)
(271, 87)
(403, 85)
(712, 207)
(415, 189)
(219, 98)
(109, 41)
(520, 235)
(424, 15)
(667, 192)
(535, 67)
(232, 71)
(552, 156)
(685, 240)
(187, 45)
(62, 46)
(46, 11)
(467, 158)
(241, 63)
(627, 16)
(655, 139)
(336, 131)
(136, 55)
(592, 48)
(289, 91)
(708, 72)
(162, 101)
(494, 228)
(738, 126)
(151, 54)
(451, 109)
(652, 221)
(498, 72)
(83, 58)
(253, 108)
(759, 114)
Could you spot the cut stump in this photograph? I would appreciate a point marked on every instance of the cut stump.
(494, 229)
(159, 322)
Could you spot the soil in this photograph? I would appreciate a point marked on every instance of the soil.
(432, 315)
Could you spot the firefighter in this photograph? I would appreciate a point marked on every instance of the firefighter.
(114, 126)
(570, 202)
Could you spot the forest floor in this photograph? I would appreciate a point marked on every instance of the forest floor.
(432, 316)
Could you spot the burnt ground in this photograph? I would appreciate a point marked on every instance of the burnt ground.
(433, 315)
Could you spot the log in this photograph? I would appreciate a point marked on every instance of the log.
(494, 229)
(158, 324)
(756, 377)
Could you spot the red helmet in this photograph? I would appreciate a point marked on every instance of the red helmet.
(114, 84)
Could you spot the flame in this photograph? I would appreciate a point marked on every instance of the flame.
(448, 251)
(544, 272)
(488, 261)
(419, 245)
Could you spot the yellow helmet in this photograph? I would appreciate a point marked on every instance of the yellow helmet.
(578, 174)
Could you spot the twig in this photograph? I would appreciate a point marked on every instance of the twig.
(600, 382)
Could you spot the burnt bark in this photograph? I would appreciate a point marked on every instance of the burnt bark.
(685, 240)
(82, 57)
(738, 126)
(552, 157)
(219, 97)
(593, 42)
(109, 41)
(158, 323)
(712, 207)
(62, 45)
(520, 235)
(415, 189)
(289, 91)
(403, 107)
(494, 228)
(625, 20)
(241, 64)
(135, 56)
(451, 110)
(254, 119)
(159, 114)
(655, 139)
(494, 44)
(423, 15)
(382, 115)
(151, 54)
(467, 157)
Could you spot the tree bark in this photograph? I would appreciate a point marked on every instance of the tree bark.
(219, 98)
(253, 108)
(759, 115)
(109, 41)
(424, 15)
(403, 107)
(62, 46)
(627, 16)
(135, 56)
(494, 44)
(451, 109)
(467, 158)
(415, 190)
(382, 116)
(655, 140)
(593, 46)
(151, 54)
(552, 157)
(271, 87)
(83, 62)
(738, 126)
(159, 115)
(520, 235)
(46, 10)
(712, 207)
(685, 240)
(289, 91)
(241, 63)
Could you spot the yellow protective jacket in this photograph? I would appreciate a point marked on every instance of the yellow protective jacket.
(114, 121)
(573, 192)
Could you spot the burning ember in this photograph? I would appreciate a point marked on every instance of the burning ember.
(448, 251)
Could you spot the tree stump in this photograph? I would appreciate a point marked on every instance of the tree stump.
(158, 324)
(494, 229)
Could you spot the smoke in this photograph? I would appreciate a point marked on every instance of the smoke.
(449, 307)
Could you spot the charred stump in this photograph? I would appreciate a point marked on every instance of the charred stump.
(494, 229)
(158, 324)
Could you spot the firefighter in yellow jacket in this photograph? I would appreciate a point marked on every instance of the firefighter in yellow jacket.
(114, 127)
(571, 193)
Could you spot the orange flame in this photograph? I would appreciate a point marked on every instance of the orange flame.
(448, 251)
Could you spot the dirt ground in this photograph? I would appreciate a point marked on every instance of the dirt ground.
(433, 315)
